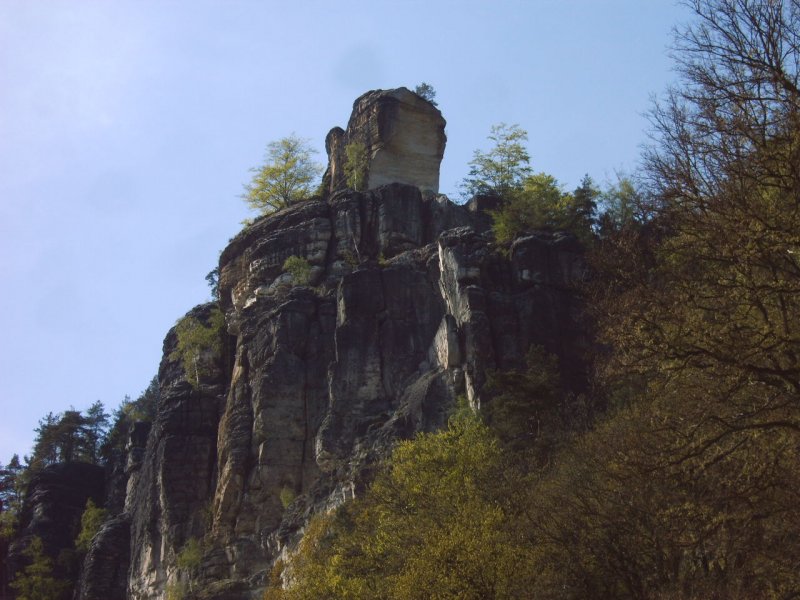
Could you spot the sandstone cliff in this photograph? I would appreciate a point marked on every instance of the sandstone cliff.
(408, 307)
(409, 304)
(403, 135)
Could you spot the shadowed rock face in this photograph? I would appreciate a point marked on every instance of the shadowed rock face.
(411, 306)
(105, 568)
(404, 137)
(52, 509)
(174, 479)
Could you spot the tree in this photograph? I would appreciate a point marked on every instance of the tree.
(286, 177)
(621, 204)
(723, 291)
(501, 170)
(527, 409)
(702, 304)
(437, 520)
(537, 204)
(199, 344)
(36, 581)
(91, 521)
(426, 91)
(580, 212)
(128, 413)
(70, 436)
(96, 428)
(356, 165)
(212, 279)
(10, 484)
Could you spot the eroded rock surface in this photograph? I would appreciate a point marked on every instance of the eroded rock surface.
(410, 308)
(169, 505)
(403, 135)
(105, 568)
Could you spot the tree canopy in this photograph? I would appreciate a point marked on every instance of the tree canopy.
(70, 436)
(426, 91)
(502, 169)
(287, 176)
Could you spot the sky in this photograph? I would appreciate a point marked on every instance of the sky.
(128, 128)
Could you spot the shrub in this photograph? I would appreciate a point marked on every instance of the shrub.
(299, 268)
(91, 521)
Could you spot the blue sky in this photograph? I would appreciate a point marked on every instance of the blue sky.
(127, 130)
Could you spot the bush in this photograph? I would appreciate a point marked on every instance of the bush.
(91, 521)
(356, 165)
(299, 268)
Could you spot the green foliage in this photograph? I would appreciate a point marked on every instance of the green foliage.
(10, 485)
(212, 278)
(36, 581)
(579, 210)
(287, 176)
(91, 521)
(356, 165)
(177, 590)
(287, 496)
(8, 524)
(535, 205)
(434, 520)
(299, 268)
(128, 413)
(350, 258)
(70, 436)
(199, 344)
(620, 204)
(190, 555)
(426, 91)
(502, 170)
(527, 409)
(540, 204)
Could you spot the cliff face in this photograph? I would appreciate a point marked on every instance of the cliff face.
(408, 306)
(403, 135)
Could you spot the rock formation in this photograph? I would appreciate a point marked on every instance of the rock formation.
(403, 135)
(409, 305)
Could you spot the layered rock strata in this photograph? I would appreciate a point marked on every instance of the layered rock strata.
(409, 305)
(403, 135)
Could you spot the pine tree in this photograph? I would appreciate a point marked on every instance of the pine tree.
(36, 580)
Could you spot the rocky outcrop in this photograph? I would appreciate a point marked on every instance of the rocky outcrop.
(404, 137)
(169, 504)
(409, 305)
(288, 408)
(105, 568)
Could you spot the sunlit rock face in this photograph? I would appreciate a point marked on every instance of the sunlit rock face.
(404, 137)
